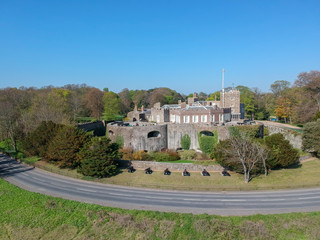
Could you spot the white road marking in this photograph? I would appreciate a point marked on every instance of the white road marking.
(119, 194)
(272, 200)
(25, 174)
(303, 198)
(232, 200)
(160, 198)
(85, 190)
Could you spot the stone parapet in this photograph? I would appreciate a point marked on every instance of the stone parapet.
(174, 167)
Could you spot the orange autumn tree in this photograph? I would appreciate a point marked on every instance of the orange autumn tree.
(284, 108)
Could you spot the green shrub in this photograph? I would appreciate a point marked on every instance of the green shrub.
(187, 154)
(97, 157)
(282, 154)
(141, 155)
(311, 137)
(126, 154)
(185, 142)
(208, 143)
(64, 147)
(165, 156)
(37, 142)
(252, 131)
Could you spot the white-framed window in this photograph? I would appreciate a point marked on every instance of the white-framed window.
(158, 118)
(195, 118)
(186, 119)
(212, 118)
(177, 119)
(172, 118)
(203, 118)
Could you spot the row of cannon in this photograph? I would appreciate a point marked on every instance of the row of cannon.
(204, 172)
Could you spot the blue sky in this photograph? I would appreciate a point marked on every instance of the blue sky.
(146, 44)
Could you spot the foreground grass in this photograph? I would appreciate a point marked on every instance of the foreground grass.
(305, 176)
(27, 215)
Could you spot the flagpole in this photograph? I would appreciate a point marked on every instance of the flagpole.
(223, 87)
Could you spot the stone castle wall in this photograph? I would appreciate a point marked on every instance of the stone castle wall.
(175, 167)
(292, 136)
(136, 137)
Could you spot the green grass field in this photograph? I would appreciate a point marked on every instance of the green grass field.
(27, 215)
(305, 176)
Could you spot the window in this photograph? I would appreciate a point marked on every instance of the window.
(154, 134)
(177, 119)
(186, 119)
(195, 118)
(158, 118)
(203, 118)
(206, 133)
(172, 118)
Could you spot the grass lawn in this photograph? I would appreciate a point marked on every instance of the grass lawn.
(305, 176)
(27, 215)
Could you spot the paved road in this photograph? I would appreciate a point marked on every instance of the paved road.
(222, 203)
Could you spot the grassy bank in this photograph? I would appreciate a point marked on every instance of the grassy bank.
(305, 176)
(26, 215)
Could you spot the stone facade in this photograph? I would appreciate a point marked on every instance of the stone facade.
(174, 167)
(292, 136)
(157, 137)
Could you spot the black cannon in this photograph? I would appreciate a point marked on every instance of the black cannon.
(166, 172)
(185, 173)
(205, 173)
(225, 173)
(131, 169)
(148, 170)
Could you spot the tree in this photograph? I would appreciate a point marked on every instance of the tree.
(214, 96)
(97, 158)
(65, 145)
(94, 102)
(311, 137)
(278, 87)
(242, 155)
(310, 83)
(283, 108)
(282, 154)
(247, 97)
(37, 142)
(126, 102)
(111, 106)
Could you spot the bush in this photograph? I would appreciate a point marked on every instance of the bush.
(203, 156)
(311, 137)
(208, 143)
(165, 156)
(252, 132)
(126, 154)
(185, 142)
(37, 142)
(223, 156)
(97, 158)
(282, 154)
(64, 147)
(141, 155)
(187, 154)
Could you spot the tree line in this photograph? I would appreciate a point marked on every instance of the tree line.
(23, 109)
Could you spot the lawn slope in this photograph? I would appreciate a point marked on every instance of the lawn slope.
(27, 215)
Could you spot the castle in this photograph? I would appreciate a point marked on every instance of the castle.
(227, 109)
(162, 127)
